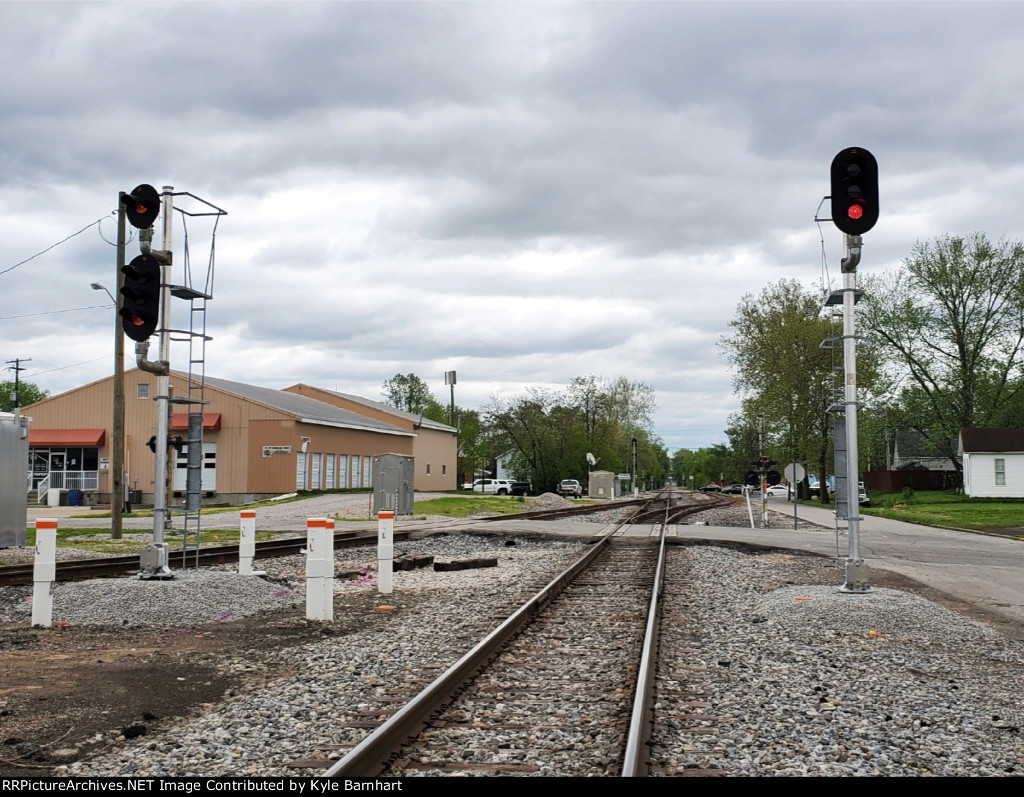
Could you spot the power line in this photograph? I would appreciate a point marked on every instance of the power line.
(65, 367)
(54, 246)
(55, 312)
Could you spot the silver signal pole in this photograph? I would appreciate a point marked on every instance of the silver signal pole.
(154, 559)
(856, 572)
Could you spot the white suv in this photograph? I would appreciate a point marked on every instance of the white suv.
(493, 486)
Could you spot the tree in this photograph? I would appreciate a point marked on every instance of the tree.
(951, 326)
(28, 393)
(550, 433)
(704, 465)
(476, 444)
(785, 375)
(410, 393)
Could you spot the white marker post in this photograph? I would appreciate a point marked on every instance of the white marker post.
(319, 570)
(247, 543)
(385, 550)
(44, 572)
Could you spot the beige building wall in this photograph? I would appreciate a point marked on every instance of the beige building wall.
(245, 427)
(434, 451)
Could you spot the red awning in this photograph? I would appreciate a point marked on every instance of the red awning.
(211, 421)
(66, 437)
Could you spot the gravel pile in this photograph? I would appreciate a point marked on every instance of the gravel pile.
(548, 501)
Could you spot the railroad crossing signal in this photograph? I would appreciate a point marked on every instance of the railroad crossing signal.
(140, 302)
(854, 190)
(141, 206)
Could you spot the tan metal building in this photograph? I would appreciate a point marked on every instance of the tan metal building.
(257, 442)
(435, 449)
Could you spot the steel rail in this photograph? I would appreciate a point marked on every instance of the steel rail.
(371, 755)
(78, 569)
(638, 751)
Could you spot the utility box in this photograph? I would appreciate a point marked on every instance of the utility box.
(393, 489)
(601, 484)
(14, 481)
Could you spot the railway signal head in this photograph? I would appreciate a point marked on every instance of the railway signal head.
(140, 298)
(854, 190)
(141, 206)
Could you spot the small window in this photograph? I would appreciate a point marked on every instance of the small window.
(1001, 471)
(428, 468)
(444, 470)
(142, 390)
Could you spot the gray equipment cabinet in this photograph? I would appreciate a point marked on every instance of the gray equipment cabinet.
(601, 484)
(13, 479)
(393, 483)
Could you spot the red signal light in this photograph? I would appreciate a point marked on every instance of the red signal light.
(854, 182)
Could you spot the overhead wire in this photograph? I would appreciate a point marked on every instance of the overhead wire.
(54, 246)
(55, 312)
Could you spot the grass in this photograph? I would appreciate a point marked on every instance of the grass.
(464, 507)
(952, 509)
(220, 510)
(948, 509)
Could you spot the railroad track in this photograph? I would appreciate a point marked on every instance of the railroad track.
(577, 658)
(682, 686)
(113, 566)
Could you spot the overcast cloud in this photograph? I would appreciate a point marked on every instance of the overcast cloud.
(522, 192)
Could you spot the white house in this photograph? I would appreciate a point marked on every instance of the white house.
(993, 462)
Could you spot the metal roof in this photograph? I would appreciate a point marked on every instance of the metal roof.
(305, 409)
(419, 420)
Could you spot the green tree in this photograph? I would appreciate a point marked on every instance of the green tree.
(550, 433)
(410, 393)
(950, 324)
(28, 393)
(785, 375)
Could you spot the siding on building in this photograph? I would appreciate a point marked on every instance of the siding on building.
(435, 449)
(251, 417)
(980, 448)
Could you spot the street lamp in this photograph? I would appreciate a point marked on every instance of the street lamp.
(117, 445)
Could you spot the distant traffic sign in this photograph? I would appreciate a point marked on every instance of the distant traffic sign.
(794, 472)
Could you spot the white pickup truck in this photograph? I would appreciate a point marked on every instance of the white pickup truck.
(570, 488)
(493, 486)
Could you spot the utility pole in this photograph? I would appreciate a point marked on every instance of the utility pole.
(117, 445)
(17, 381)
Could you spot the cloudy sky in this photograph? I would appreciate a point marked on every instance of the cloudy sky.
(521, 192)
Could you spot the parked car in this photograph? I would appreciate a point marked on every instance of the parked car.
(779, 490)
(492, 486)
(569, 488)
(862, 495)
(711, 488)
(522, 488)
(734, 489)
